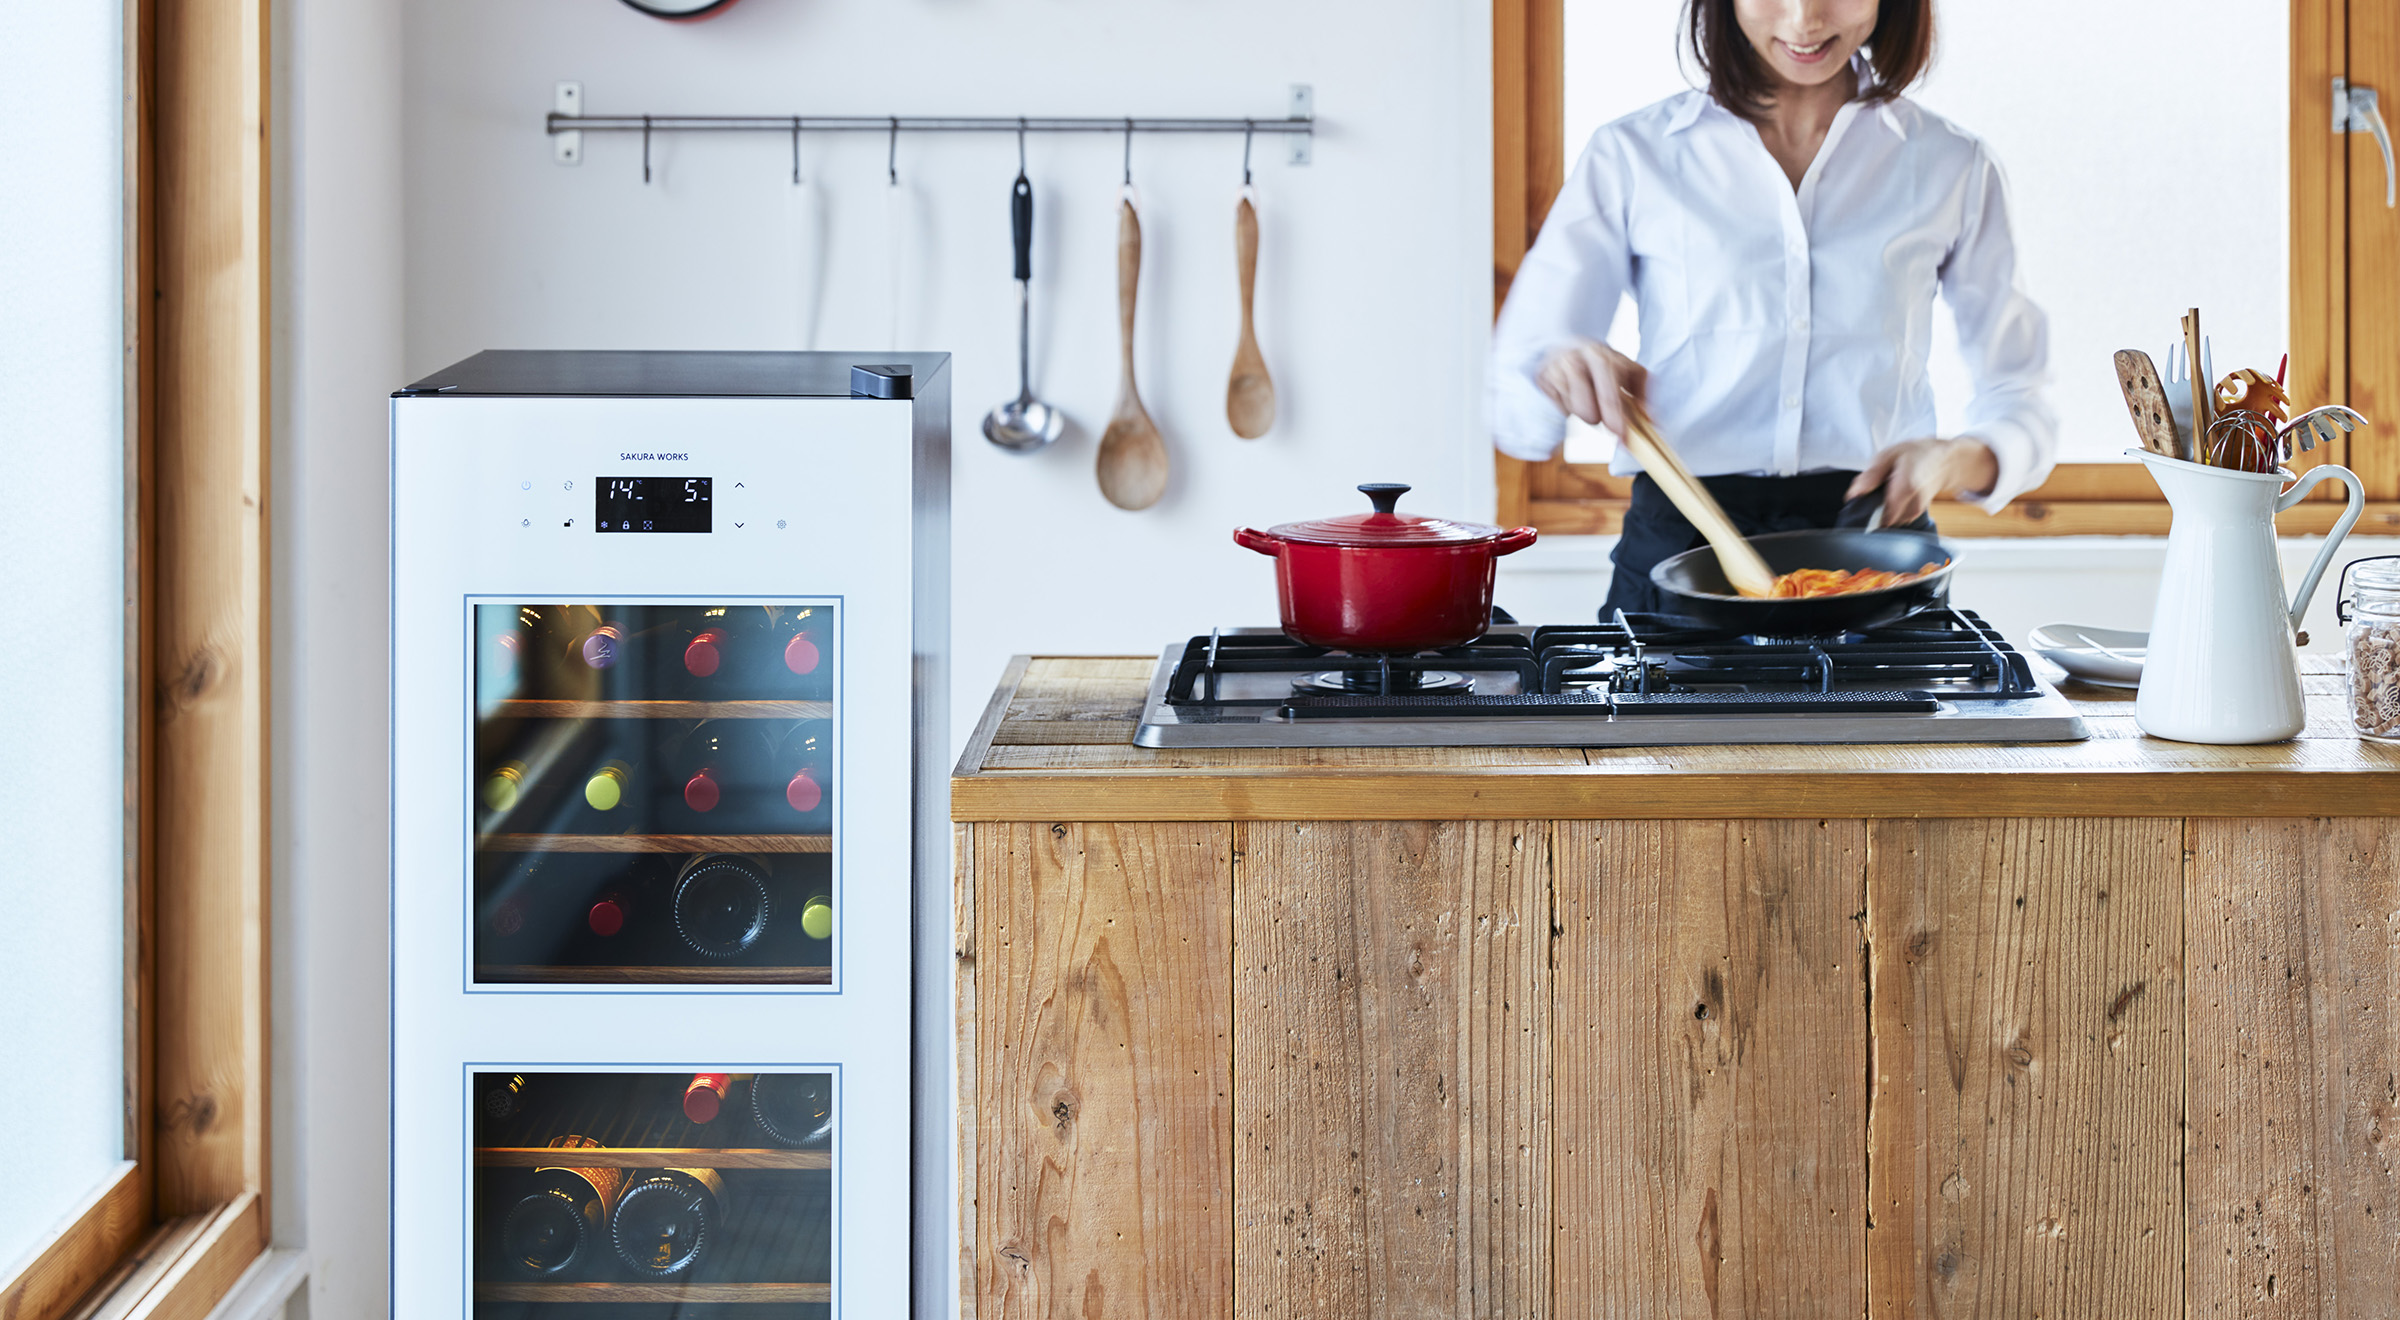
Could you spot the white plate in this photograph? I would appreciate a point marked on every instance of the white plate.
(2076, 648)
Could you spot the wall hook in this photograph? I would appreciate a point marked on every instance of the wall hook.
(1248, 129)
(1128, 153)
(645, 150)
(891, 154)
(795, 149)
(1020, 146)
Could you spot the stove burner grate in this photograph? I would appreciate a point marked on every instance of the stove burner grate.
(1386, 681)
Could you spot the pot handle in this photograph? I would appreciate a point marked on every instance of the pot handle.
(1252, 539)
(2356, 505)
(1513, 540)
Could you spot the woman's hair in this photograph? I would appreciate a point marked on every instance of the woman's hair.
(1897, 53)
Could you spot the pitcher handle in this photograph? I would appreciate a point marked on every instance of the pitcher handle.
(2356, 505)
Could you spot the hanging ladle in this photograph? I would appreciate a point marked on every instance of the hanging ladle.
(1024, 423)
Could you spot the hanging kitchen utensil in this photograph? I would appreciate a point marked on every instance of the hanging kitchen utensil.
(1133, 456)
(1023, 424)
(1250, 394)
(1743, 567)
(2146, 399)
(1385, 581)
(808, 230)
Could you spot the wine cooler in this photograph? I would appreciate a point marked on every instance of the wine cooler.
(669, 881)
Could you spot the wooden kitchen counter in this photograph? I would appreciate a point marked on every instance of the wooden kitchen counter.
(2108, 1029)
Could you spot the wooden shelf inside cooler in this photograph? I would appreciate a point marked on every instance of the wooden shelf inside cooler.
(598, 1293)
(538, 709)
(651, 1157)
(656, 843)
(569, 974)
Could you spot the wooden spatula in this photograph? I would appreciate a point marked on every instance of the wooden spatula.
(1743, 568)
(1133, 456)
(2146, 399)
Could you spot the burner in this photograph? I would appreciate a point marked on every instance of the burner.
(1824, 639)
(1411, 682)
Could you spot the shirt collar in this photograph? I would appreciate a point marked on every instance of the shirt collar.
(1698, 103)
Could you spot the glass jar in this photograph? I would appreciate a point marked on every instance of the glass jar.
(2370, 614)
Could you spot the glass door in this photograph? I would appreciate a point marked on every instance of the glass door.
(655, 792)
(649, 1195)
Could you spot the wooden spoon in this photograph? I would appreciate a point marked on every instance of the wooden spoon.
(1250, 395)
(1133, 457)
(1743, 567)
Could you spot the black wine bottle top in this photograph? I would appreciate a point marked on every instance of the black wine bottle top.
(721, 905)
(505, 1099)
(794, 1109)
(557, 1227)
(667, 1219)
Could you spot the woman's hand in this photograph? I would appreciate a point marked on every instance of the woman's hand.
(1586, 379)
(1915, 473)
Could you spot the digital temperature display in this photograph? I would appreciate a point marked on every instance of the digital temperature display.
(653, 504)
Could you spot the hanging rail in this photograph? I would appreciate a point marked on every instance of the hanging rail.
(564, 123)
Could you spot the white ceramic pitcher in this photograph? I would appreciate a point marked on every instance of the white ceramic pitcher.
(2222, 666)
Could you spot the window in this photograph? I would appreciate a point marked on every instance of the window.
(2241, 202)
(132, 746)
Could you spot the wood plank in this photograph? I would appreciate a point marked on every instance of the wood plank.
(1126, 756)
(995, 712)
(2319, 292)
(204, 1271)
(1102, 1164)
(652, 1157)
(2294, 1076)
(94, 1237)
(209, 578)
(655, 843)
(1528, 125)
(1391, 1070)
(1711, 1062)
(2029, 1034)
(968, 1034)
(529, 708)
(689, 1294)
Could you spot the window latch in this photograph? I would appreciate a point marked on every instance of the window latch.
(2355, 111)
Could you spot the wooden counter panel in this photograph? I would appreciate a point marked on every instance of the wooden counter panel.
(1391, 1070)
(1711, 1056)
(1056, 744)
(2294, 1091)
(2029, 1034)
(1101, 1052)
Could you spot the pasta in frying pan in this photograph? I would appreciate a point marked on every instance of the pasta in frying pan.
(1837, 582)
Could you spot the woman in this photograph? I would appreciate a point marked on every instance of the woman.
(1783, 235)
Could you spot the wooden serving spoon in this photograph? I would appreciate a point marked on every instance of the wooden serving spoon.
(1133, 456)
(1250, 395)
(1743, 567)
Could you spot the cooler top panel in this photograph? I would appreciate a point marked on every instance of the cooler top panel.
(593, 373)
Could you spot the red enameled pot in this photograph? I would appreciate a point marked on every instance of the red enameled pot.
(1385, 581)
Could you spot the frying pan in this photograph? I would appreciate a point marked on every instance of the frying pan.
(1695, 586)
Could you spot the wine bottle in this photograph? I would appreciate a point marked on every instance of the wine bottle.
(504, 1099)
(556, 1229)
(794, 1110)
(503, 787)
(816, 917)
(667, 1220)
(797, 654)
(607, 915)
(803, 775)
(704, 1096)
(719, 774)
(721, 906)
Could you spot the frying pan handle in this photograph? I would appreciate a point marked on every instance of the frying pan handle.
(1513, 540)
(1252, 539)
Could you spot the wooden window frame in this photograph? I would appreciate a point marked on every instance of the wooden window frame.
(2078, 499)
(174, 1227)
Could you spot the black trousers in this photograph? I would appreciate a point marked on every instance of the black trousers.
(1655, 529)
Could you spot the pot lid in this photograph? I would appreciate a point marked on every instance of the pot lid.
(1383, 526)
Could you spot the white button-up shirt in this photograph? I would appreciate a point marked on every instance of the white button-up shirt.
(1784, 331)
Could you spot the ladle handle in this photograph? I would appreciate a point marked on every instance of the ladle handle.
(2356, 504)
(1020, 224)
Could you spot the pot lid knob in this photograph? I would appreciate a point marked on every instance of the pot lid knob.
(1384, 493)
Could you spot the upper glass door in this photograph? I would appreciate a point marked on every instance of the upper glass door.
(655, 792)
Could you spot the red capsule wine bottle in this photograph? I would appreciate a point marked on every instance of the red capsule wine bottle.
(794, 1110)
(721, 905)
(704, 1096)
(556, 1230)
(720, 779)
(799, 659)
(608, 914)
(666, 1220)
(803, 778)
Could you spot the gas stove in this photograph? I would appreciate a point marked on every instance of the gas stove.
(1943, 675)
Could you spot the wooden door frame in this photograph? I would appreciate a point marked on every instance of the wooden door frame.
(179, 1220)
(2078, 499)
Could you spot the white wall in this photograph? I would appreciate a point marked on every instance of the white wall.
(1373, 293)
(337, 354)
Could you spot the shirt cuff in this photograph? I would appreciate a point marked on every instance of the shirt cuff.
(2022, 467)
(1525, 424)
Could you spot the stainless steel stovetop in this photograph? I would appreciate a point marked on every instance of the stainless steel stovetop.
(1642, 680)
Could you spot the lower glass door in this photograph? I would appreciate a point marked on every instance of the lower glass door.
(648, 1195)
